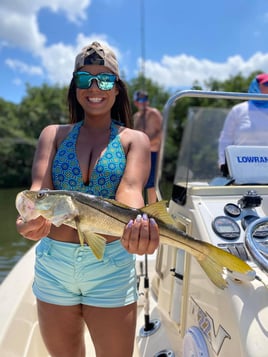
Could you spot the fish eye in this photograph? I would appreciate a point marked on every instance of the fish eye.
(41, 194)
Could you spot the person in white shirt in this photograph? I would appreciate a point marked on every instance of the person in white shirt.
(246, 123)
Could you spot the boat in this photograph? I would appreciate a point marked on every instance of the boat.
(181, 313)
(191, 317)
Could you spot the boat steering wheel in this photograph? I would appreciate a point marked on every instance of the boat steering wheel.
(257, 242)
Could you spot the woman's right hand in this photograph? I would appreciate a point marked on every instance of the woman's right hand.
(34, 229)
(141, 236)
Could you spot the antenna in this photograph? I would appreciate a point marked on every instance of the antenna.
(142, 17)
(150, 326)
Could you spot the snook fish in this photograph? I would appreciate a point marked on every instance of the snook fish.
(93, 216)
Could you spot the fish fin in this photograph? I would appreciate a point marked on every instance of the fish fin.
(58, 220)
(116, 203)
(218, 264)
(60, 216)
(159, 210)
(79, 232)
(96, 242)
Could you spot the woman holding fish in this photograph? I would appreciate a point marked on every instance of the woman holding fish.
(97, 153)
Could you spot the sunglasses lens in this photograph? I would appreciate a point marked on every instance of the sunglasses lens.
(105, 81)
(142, 100)
(82, 80)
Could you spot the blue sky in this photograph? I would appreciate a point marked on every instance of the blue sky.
(184, 41)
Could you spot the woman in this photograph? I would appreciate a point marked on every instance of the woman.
(98, 153)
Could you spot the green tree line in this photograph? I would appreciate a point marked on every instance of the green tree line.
(21, 124)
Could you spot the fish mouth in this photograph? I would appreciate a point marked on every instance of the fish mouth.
(24, 204)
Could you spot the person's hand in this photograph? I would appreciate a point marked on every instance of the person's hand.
(34, 229)
(141, 236)
(224, 170)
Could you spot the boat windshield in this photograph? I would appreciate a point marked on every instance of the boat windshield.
(189, 152)
(198, 155)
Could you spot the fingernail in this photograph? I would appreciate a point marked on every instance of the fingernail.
(145, 217)
(152, 220)
(130, 223)
(138, 218)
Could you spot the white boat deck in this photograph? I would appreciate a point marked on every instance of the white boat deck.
(19, 329)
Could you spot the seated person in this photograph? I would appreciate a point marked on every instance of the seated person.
(246, 123)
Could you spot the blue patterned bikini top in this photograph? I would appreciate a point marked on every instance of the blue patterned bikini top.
(106, 175)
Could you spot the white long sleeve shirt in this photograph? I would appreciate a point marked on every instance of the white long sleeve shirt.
(245, 124)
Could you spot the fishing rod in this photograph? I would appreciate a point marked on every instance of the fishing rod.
(149, 326)
(142, 16)
(142, 63)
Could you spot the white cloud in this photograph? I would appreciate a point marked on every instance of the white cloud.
(19, 26)
(19, 29)
(183, 70)
(58, 59)
(21, 67)
(73, 9)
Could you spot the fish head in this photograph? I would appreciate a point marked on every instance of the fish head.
(26, 206)
(51, 205)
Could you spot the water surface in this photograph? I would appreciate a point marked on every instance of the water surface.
(12, 245)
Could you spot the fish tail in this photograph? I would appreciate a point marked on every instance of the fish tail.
(218, 263)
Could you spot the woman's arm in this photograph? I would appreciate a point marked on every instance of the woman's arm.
(41, 178)
(130, 190)
(141, 235)
(45, 152)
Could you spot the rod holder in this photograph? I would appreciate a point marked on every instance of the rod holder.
(154, 325)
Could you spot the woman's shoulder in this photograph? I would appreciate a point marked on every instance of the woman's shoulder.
(56, 131)
(58, 128)
(133, 136)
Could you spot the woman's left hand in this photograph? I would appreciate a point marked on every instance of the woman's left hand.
(141, 236)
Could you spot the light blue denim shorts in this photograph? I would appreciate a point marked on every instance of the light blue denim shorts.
(69, 274)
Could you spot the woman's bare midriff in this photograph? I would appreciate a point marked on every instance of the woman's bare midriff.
(69, 235)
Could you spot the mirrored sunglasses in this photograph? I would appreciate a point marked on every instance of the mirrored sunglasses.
(142, 100)
(105, 81)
